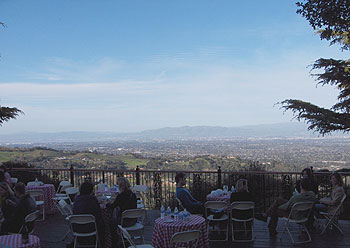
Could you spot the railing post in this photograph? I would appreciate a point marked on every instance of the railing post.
(71, 174)
(103, 176)
(219, 178)
(137, 175)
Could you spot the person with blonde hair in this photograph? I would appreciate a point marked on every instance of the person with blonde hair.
(125, 200)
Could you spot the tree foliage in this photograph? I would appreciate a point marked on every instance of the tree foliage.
(7, 113)
(331, 20)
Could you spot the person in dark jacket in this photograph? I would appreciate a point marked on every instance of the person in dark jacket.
(5, 194)
(87, 203)
(241, 194)
(125, 200)
(307, 174)
(21, 208)
(192, 205)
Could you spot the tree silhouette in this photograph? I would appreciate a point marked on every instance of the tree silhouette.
(7, 113)
(331, 20)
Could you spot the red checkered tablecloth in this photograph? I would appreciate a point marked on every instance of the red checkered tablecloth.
(225, 198)
(15, 241)
(49, 193)
(163, 231)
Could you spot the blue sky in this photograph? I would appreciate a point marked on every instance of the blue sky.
(135, 65)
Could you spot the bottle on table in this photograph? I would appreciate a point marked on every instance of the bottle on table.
(168, 212)
(176, 213)
(233, 189)
(162, 212)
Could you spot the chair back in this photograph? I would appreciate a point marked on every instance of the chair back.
(300, 211)
(337, 211)
(243, 206)
(62, 183)
(185, 237)
(29, 219)
(66, 209)
(126, 236)
(35, 193)
(139, 188)
(134, 213)
(64, 187)
(181, 207)
(216, 205)
(72, 192)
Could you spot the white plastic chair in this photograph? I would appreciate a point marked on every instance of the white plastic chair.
(72, 192)
(66, 210)
(136, 214)
(83, 219)
(186, 237)
(127, 236)
(216, 206)
(299, 214)
(243, 206)
(41, 203)
(332, 219)
(32, 217)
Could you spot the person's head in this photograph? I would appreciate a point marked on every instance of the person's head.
(4, 190)
(123, 184)
(180, 179)
(2, 168)
(20, 189)
(305, 185)
(242, 185)
(307, 173)
(336, 179)
(86, 188)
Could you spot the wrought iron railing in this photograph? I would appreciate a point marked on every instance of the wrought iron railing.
(264, 186)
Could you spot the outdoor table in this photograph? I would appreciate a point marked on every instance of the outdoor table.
(49, 193)
(225, 198)
(15, 241)
(163, 230)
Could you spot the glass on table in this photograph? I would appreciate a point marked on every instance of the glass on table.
(225, 188)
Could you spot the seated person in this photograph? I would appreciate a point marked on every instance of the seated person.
(3, 180)
(307, 174)
(241, 194)
(6, 194)
(125, 200)
(330, 204)
(6, 174)
(87, 203)
(192, 205)
(283, 210)
(21, 208)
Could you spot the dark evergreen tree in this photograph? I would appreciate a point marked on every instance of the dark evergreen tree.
(331, 20)
(7, 113)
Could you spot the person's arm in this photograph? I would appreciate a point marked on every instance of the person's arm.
(116, 202)
(191, 197)
(288, 205)
(338, 196)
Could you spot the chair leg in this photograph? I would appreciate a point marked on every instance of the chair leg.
(328, 222)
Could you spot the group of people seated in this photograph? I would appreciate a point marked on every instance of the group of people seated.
(306, 189)
(86, 203)
(15, 205)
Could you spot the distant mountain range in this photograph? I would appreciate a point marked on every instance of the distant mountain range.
(282, 130)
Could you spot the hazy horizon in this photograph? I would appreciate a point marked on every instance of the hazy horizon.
(129, 66)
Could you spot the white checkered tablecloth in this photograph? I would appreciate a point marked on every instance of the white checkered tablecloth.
(15, 241)
(163, 231)
(49, 193)
(225, 198)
